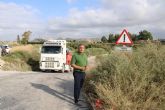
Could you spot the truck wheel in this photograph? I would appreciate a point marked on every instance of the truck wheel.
(43, 70)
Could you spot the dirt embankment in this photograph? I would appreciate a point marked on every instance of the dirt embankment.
(92, 62)
(1, 63)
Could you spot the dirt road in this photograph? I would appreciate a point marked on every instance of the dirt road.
(38, 91)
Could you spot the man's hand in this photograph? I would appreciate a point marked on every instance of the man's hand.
(78, 67)
(84, 68)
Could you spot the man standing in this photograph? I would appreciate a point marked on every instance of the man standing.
(79, 63)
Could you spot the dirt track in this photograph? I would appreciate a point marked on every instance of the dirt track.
(38, 91)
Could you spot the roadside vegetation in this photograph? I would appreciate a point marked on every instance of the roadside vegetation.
(120, 81)
(92, 49)
(95, 51)
(22, 58)
(124, 81)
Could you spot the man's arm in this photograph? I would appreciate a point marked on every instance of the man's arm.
(78, 67)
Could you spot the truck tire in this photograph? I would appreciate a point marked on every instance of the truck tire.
(43, 70)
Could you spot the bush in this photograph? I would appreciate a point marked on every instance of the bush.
(105, 46)
(22, 58)
(95, 51)
(131, 81)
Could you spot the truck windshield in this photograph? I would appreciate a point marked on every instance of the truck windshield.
(51, 49)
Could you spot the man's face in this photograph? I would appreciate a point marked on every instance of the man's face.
(81, 48)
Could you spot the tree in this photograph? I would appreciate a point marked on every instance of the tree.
(104, 39)
(133, 36)
(24, 41)
(25, 37)
(39, 40)
(18, 39)
(116, 37)
(111, 38)
(145, 35)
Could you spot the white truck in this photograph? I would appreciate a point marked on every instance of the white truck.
(53, 55)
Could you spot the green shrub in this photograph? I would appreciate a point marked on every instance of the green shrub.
(131, 81)
(95, 51)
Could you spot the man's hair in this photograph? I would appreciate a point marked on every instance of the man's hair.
(81, 45)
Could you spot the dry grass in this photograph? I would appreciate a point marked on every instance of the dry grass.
(95, 51)
(27, 48)
(22, 58)
(131, 81)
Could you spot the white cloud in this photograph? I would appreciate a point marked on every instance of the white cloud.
(112, 16)
(15, 19)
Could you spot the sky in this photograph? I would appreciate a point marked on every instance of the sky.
(54, 19)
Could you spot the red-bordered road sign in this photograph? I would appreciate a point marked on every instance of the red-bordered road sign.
(124, 38)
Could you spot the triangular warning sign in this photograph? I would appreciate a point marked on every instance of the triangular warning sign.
(124, 38)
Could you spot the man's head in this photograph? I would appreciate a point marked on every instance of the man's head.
(81, 48)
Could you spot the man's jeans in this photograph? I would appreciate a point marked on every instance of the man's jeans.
(79, 78)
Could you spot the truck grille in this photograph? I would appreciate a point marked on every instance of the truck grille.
(49, 64)
(49, 59)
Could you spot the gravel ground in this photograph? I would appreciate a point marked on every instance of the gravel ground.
(38, 91)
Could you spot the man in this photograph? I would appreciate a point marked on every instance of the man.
(79, 63)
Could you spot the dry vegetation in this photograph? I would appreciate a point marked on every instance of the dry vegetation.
(130, 81)
(27, 48)
(95, 51)
(121, 81)
(22, 58)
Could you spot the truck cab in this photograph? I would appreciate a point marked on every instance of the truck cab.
(53, 55)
